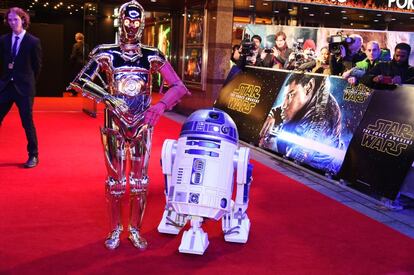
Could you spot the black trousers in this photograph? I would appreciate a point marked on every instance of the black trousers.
(25, 106)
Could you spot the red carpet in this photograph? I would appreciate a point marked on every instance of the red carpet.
(53, 218)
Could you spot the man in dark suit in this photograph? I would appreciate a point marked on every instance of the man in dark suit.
(20, 58)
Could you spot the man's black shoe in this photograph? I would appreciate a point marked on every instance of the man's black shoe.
(31, 162)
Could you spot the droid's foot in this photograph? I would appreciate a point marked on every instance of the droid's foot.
(194, 242)
(171, 222)
(136, 239)
(235, 230)
(113, 239)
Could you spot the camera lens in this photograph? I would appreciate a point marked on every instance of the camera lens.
(213, 115)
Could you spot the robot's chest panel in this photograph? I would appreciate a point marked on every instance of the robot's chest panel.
(131, 76)
(131, 81)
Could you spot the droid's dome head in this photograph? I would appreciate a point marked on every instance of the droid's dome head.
(210, 123)
(131, 22)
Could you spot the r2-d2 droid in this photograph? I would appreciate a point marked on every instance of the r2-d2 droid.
(199, 174)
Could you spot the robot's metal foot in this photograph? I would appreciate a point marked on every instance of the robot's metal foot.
(235, 230)
(195, 240)
(113, 239)
(136, 239)
(171, 222)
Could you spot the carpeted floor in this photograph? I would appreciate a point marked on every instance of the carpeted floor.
(53, 218)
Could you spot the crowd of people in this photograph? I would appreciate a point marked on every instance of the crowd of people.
(370, 65)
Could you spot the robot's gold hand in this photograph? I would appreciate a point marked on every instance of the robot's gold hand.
(118, 105)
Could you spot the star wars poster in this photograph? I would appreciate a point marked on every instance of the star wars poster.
(313, 118)
(248, 97)
(193, 65)
(382, 149)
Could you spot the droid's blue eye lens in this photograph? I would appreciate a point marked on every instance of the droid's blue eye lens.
(214, 115)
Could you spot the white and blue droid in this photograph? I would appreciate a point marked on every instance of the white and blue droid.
(199, 174)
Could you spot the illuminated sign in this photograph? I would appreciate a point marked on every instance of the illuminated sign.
(401, 4)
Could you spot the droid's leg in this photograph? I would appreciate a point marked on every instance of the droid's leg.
(138, 179)
(195, 240)
(171, 221)
(236, 224)
(114, 148)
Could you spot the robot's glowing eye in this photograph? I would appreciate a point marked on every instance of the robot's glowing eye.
(136, 24)
(216, 129)
(133, 13)
(126, 22)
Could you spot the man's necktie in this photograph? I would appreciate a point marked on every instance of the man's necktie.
(14, 48)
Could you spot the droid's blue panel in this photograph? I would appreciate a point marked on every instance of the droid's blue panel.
(202, 153)
(180, 173)
(203, 144)
(197, 173)
(223, 203)
(180, 196)
(194, 198)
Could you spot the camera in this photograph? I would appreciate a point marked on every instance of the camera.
(247, 46)
(298, 49)
(335, 42)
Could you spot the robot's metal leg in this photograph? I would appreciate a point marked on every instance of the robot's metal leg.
(236, 226)
(138, 180)
(138, 202)
(114, 148)
(195, 240)
(114, 200)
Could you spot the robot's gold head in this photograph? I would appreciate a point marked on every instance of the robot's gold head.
(132, 19)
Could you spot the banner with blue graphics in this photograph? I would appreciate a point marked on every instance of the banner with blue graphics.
(313, 119)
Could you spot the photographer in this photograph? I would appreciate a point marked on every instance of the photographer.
(345, 52)
(235, 55)
(385, 75)
(303, 56)
(281, 51)
(255, 52)
(247, 53)
(322, 62)
(374, 56)
(277, 56)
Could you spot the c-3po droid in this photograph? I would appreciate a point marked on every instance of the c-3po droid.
(199, 173)
(119, 75)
